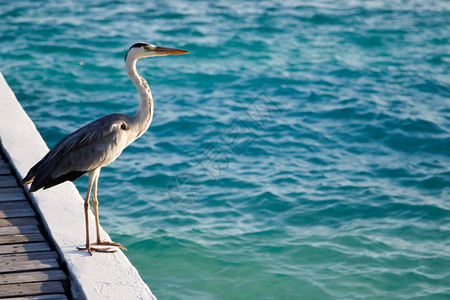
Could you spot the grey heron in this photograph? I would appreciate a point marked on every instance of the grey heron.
(99, 143)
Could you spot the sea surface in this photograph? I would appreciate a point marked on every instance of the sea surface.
(300, 151)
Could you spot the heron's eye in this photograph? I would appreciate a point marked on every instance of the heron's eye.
(149, 47)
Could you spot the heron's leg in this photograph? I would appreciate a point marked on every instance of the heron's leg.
(88, 247)
(86, 215)
(95, 205)
(97, 221)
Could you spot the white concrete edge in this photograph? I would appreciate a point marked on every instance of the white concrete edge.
(101, 276)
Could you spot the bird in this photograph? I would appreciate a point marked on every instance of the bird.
(98, 144)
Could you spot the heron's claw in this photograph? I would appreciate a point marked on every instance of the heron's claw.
(91, 249)
(106, 243)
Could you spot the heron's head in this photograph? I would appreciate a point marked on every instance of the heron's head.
(140, 50)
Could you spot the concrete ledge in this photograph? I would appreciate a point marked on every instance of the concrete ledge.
(101, 276)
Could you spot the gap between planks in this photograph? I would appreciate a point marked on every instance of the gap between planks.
(32, 288)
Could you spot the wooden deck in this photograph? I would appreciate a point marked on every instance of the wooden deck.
(29, 266)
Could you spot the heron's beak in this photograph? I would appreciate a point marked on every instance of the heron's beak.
(169, 51)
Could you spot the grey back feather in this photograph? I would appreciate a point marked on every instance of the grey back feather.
(94, 145)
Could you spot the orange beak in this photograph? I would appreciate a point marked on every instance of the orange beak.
(169, 51)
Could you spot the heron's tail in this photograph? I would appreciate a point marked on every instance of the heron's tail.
(28, 179)
(30, 176)
(40, 176)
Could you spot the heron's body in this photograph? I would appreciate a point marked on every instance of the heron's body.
(99, 143)
(93, 146)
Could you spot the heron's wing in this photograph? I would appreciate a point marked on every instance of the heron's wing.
(94, 145)
(97, 132)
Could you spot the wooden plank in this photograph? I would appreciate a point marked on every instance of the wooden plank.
(19, 229)
(16, 213)
(18, 221)
(30, 265)
(8, 181)
(28, 256)
(14, 204)
(21, 248)
(40, 297)
(31, 289)
(21, 238)
(36, 276)
(4, 170)
(9, 190)
(28, 268)
(12, 197)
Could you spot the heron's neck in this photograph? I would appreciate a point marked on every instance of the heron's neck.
(143, 118)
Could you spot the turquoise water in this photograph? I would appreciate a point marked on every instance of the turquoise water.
(301, 151)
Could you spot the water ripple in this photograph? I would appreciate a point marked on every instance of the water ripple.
(311, 140)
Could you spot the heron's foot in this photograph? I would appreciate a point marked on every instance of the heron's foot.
(91, 249)
(106, 243)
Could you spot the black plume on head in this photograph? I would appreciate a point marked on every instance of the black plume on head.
(137, 45)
